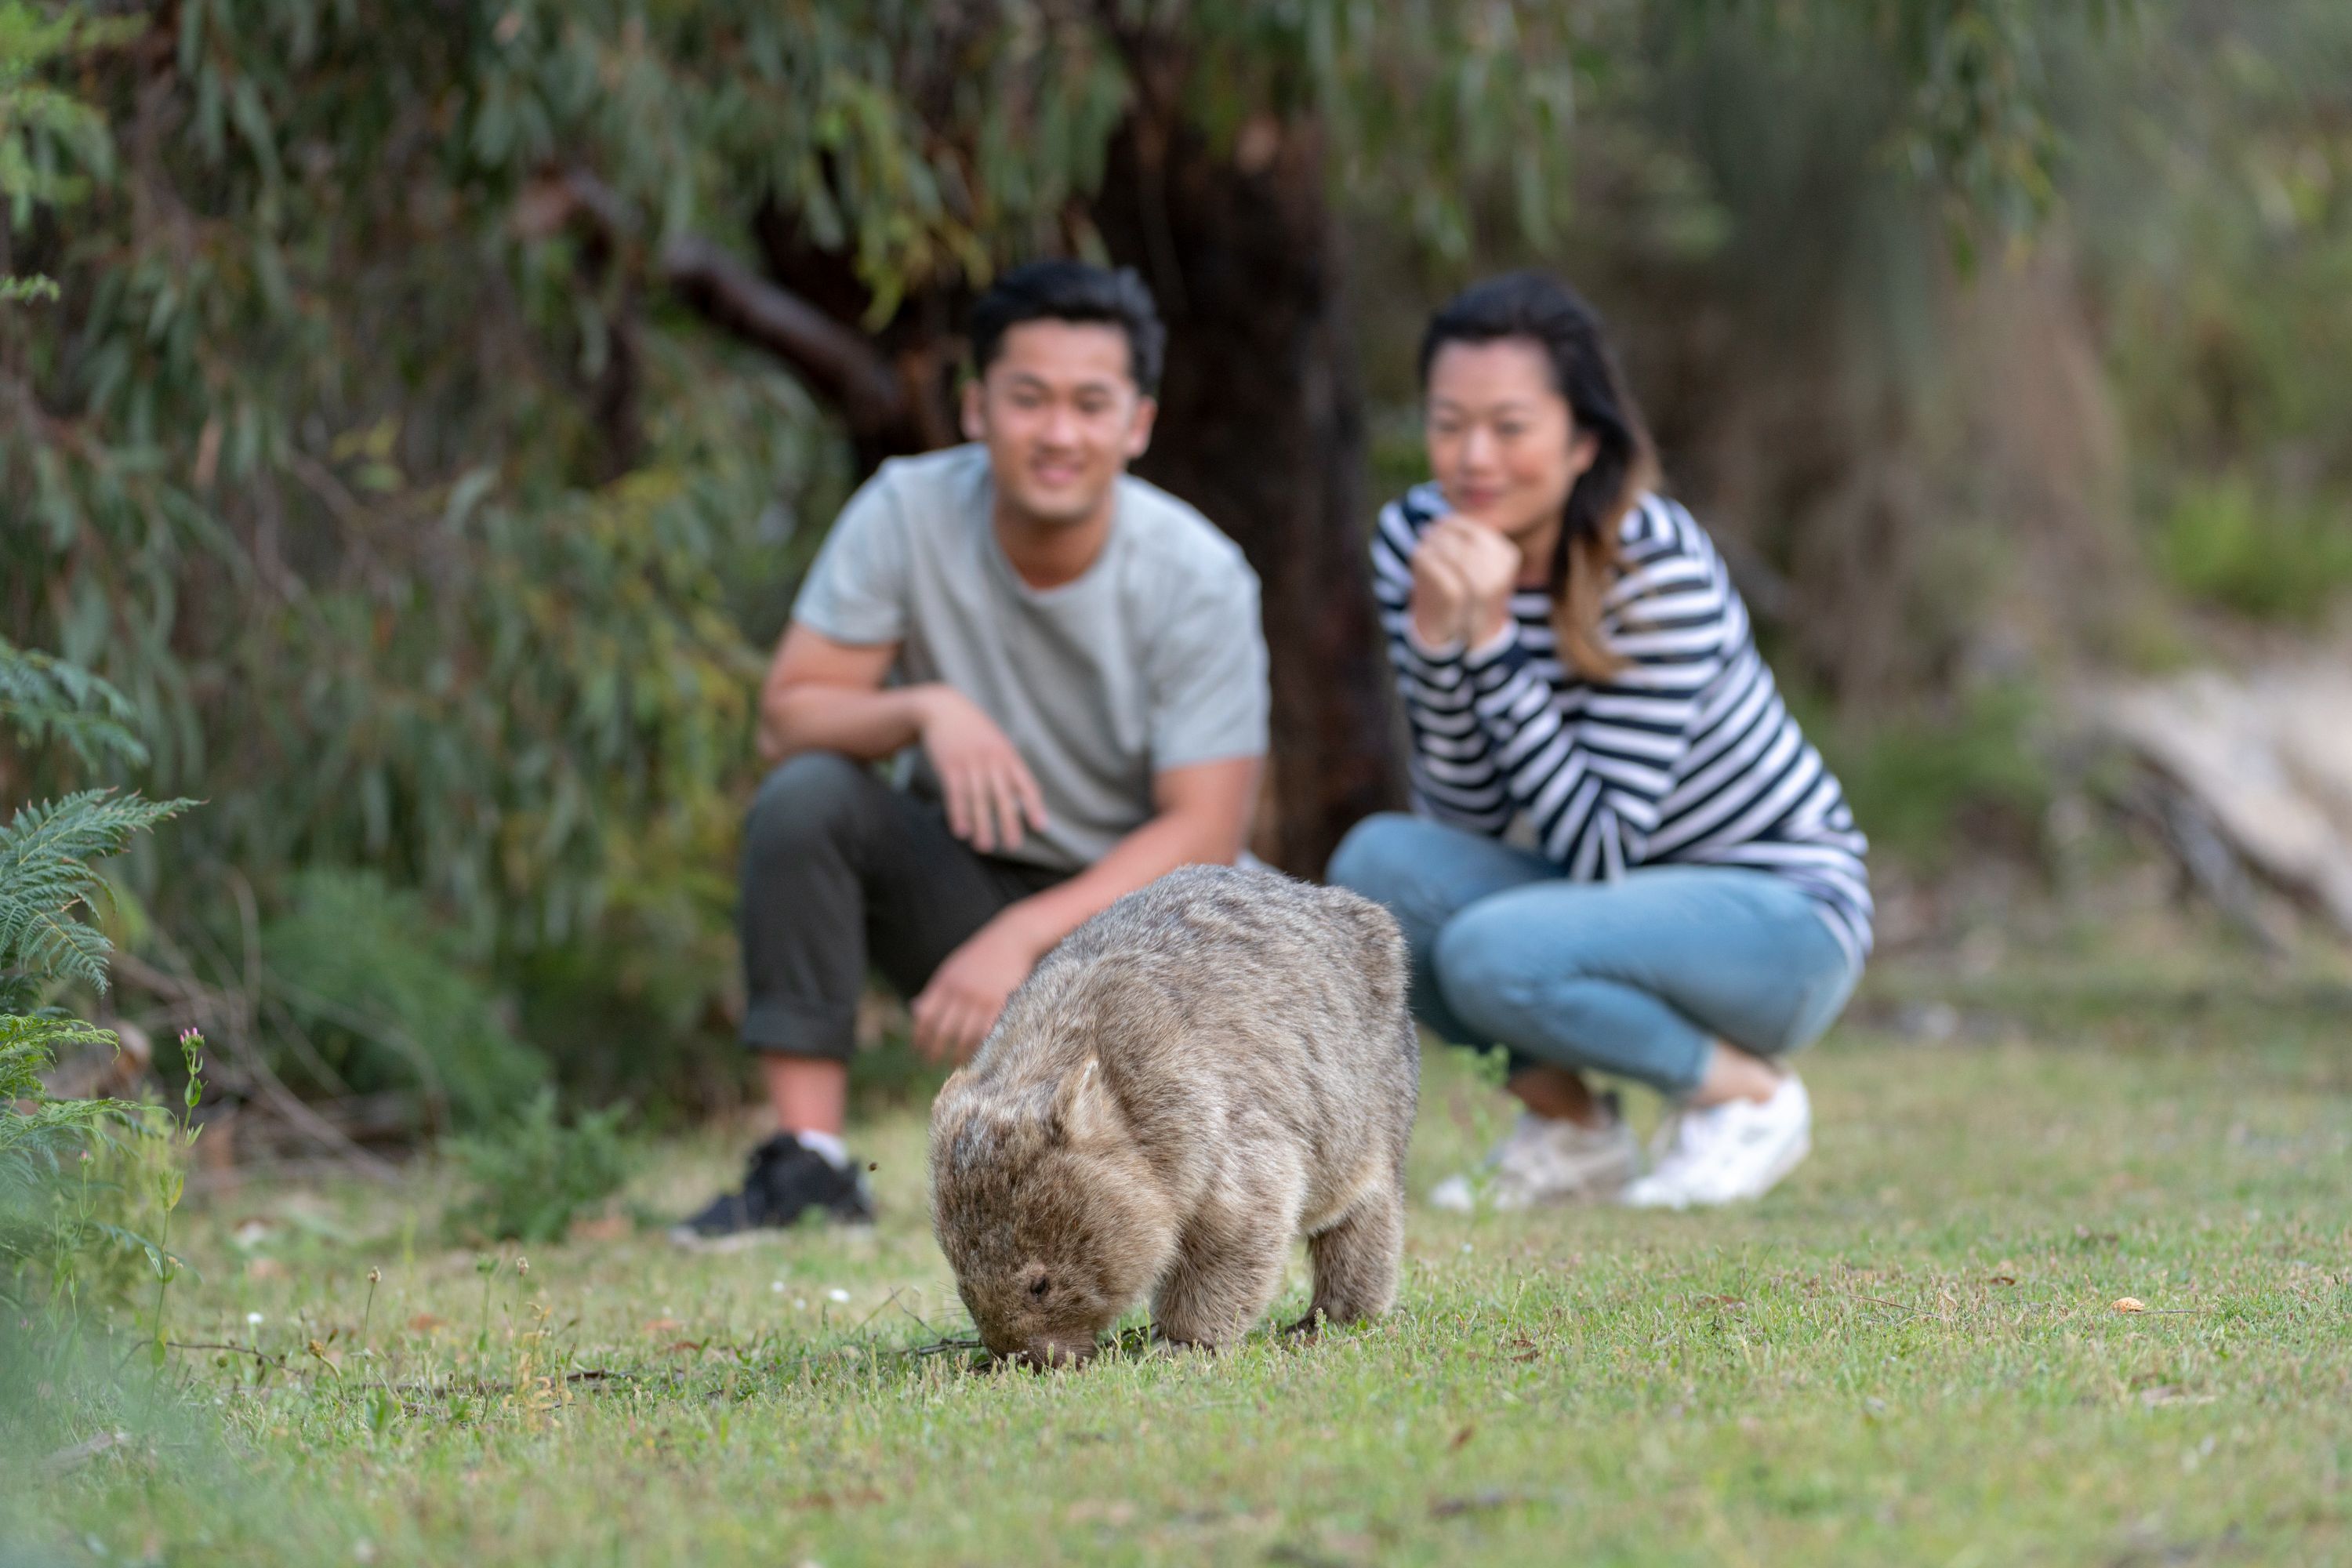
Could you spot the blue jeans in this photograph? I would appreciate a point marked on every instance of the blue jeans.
(1637, 977)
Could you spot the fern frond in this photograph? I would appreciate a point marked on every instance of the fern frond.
(28, 1137)
(45, 876)
(30, 1044)
(44, 697)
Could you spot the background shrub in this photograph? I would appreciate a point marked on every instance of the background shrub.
(532, 1175)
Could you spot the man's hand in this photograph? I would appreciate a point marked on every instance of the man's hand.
(967, 992)
(988, 792)
(1470, 570)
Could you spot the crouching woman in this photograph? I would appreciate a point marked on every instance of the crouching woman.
(1627, 860)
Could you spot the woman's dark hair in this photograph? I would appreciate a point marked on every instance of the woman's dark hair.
(1538, 309)
(1072, 291)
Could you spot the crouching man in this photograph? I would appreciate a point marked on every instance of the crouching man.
(1072, 662)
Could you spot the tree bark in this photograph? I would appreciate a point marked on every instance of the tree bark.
(1262, 427)
(890, 388)
(835, 360)
(918, 349)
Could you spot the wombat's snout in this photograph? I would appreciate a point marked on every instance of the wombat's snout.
(1042, 1312)
(1045, 1354)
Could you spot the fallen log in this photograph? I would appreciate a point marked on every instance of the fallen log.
(2265, 757)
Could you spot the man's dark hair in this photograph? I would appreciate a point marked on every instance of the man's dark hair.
(1072, 291)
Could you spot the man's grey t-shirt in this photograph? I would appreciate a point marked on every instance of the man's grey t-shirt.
(1152, 659)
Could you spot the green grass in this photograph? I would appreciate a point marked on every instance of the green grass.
(1907, 1355)
(2275, 559)
(1937, 788)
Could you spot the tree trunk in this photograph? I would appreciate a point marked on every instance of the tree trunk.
(1261, 427)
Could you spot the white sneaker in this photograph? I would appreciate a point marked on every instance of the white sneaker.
(1544, 1161)
(1728, 1152)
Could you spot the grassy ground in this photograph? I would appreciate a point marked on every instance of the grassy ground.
(1910, 1353)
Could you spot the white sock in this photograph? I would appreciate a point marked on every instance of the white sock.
(829, 1144)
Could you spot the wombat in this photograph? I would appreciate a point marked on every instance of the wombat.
(1213, 1064)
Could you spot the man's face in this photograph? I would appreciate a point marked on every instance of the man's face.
(1060, 416)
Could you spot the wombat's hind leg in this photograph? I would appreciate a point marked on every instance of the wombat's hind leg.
(1355, 1260)
(1227, 1271)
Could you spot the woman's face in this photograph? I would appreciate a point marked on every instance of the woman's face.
(1502, 444)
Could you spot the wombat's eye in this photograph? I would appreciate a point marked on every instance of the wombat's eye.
(1040, 1285)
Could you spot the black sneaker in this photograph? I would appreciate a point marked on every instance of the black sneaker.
(783, 1180)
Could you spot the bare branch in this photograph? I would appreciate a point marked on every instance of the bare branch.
(223, 1018)
(842, 362)
(546, 207)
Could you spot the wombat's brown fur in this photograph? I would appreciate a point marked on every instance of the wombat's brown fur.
(1212, 1066)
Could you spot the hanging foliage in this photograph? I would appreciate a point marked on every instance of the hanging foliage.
(438, 400)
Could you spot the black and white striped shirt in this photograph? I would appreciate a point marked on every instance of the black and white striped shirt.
(1686, 756)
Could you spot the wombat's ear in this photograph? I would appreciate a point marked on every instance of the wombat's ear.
(1084, 1106)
